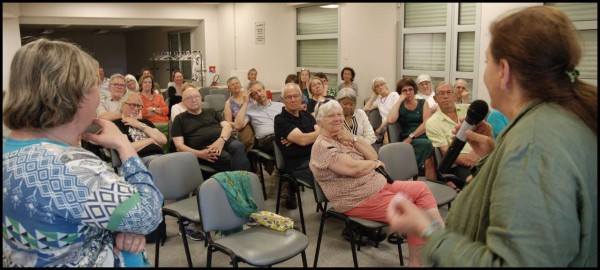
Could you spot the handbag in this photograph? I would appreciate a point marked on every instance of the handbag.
(272, 220)
(387, 176)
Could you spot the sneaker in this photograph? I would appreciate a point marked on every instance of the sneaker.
(194, 233)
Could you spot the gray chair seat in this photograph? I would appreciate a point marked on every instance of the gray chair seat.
(443, 194)
(187, 208)
(268, 250)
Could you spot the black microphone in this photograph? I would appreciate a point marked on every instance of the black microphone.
(477, 111)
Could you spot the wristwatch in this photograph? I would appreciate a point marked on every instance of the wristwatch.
(354, 139)
(153, 109)
(411, 135)
(224, 139)
(144, 126)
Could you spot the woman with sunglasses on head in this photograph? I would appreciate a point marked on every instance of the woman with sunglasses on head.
(317, 90)
(412, 114)
(143, 135)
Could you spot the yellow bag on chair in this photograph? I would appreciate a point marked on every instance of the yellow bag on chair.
(272, 220)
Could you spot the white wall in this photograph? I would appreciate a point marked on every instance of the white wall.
(489, 13)
(11, 38)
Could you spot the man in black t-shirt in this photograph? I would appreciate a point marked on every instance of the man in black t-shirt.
(207, 134)
(295, 132)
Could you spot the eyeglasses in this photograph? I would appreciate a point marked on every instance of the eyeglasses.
(409, 90)
(191, 98)
(319, 104)
(119, 84)
(290, 97)
(315, 84)
(134, 105)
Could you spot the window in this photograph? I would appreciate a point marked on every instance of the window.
(317, 37)
(585, 18)
(441, 40)
(180, 42)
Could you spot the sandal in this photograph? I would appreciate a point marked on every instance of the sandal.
(393, 238)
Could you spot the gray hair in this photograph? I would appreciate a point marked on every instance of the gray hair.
(132, 78)
(289, 86)
(378, 79)
(116, 75)
(253, 83)
(325, 106)
(443, 83)
(48, 82)
(346, 93)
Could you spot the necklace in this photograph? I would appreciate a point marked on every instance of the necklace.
(56, 138)
(383, 99)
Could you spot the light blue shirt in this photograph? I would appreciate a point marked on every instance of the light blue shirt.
(263, 117)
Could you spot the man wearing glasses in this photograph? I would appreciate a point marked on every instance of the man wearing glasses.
(206, 134)
(110, 108)
(295, 132)
(439, 129)
(146, 139)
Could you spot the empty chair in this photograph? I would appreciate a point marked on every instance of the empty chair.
(350, 224)
(177, 175)
(258, 245)
(222, 91)
(205, 91)
(216, 101)
(257, 159)
(400, 163)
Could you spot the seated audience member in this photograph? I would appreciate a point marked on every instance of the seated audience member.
(498, 121)
(62, 205)
(330, 92)
(232, 107)
(206, 134)
(383, 100)
(180, 107)
(174, 91)
(426, 92)
(145, 138)
(412, 114)
(355, 120)
(252, 74)
(304, 76)
(103, 84)
(461, 88)
(295, 132)
(347, 74)
(293, 78)
(344, 166)
(132, 85)
(317, 92)
(110, 109)
(155, 109)
(146, 71)
(261, 115)
(439, 129)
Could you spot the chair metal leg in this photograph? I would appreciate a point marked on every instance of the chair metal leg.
(301, 211)
(185, 243)
(209, 252)
(303, 254)
(400, 250)
(156, 252)
(278, 194)
(353, 246)
(262, 180)
(323, 217)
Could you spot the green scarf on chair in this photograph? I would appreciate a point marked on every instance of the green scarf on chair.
(238, 190)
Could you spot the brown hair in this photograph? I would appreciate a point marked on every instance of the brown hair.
(541, 55)
(48, 81)
(406, 81)
(141, 82)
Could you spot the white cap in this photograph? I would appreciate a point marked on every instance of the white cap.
(423, 78)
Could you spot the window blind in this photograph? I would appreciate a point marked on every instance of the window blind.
(578, 12)
(425, 14)
(466, 51)
(318, 53)
(316, 20)
(425, 51)
(466, 14)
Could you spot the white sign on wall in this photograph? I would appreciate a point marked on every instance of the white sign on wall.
(260, 33)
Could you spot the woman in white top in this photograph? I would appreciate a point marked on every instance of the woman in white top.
(383, 100)
(426, 91)
(355, 120)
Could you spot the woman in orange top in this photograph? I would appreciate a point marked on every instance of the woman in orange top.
(155, 109)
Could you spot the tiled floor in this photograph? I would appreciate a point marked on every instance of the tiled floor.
(334, 252)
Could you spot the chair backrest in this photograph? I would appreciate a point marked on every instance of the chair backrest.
(318, 192)
(375, 118)
(215, 210)
(222, 91)
(216, 101)
(394, 131)
(400, 161)
(176, 174)
(206, 105)
(205, 91)
(279, 161)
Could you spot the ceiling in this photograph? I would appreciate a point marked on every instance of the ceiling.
(36, 29)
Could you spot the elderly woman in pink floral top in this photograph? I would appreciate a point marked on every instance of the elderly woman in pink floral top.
(344, 166)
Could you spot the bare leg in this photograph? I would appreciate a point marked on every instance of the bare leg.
(430, 173)
(415, 256)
